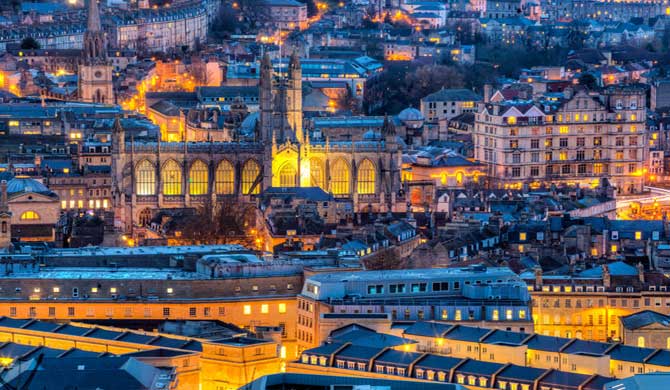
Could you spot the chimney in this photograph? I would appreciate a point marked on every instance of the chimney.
(640, 272)
(3, 197)
(538, 277)
(607, 277)
(567, 93)
(487, 92)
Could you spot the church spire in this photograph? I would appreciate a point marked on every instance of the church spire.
(93, 16)
(95, 43)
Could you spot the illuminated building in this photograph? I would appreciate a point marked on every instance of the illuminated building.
(219, 364)
(589, 305)
(34, 210)
(475, 294)
(646, 328)
(95, 69)
(579, 138)
(148, 176)
(446, 104)
(283, 14)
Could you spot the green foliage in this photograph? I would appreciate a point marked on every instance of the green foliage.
(29, 43)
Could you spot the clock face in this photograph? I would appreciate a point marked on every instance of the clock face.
(98, 74)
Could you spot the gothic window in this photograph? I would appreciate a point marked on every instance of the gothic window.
(250, 172)
(171, 176)
(315, 173)
(224, 178)
(145, 179)
(145, 217)
(30, 216)
(339, 183)
(198, 178)
(366, 178)
(287, 175)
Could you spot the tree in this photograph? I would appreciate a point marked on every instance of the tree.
(430, 78)
(224, 23)
(588, 80)
(29, 43)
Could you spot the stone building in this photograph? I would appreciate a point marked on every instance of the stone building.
(580, 138)
(149, 175)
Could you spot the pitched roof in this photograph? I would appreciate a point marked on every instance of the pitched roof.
(452, 95)
(644, 318)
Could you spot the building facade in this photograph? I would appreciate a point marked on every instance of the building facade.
(149, 175)
(580, 138)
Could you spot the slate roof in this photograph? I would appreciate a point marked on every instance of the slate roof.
(437, 363)
(427, 329)
(476, 367)
(505, 337)
(397, 358)
(617, 268)
(629, 353)
(356, 352)
(546, 343)
(515, 372)
(644, 318)
(325, 349)
(466, 333)
(453, 95)
(585, 347)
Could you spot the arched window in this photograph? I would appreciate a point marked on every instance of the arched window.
(250, 173)
(366, 178)
(171, 177)
(640, 341)
(339, 182)
(459, 178)
(315, 173)
(145, 179)
(224, 178)
(30, 216)
(198, 178)
(287, 175)
(145, 217)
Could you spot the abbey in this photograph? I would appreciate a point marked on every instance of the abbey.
(153, 175)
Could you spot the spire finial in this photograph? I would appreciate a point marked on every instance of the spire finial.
(93, 16)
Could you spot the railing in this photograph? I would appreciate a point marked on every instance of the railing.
(147, 198)
(173, 198)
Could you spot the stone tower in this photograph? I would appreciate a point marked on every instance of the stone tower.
(294, 96)
(95, 70)
(266, 92)
(5, 218)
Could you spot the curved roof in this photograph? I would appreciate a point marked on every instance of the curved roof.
(24, 184)
(410, 114)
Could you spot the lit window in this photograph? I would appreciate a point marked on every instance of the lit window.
(522, 236)
(564, 129)
(145, 178)
(521, 248)
(198, 178)
(94, 289)
(511, 120)
(250, 174)
(224, 178)
(638, 235)
(13, 123)
(614, 248)
(170, 290)
(56, 289)
(508, 314)
(264, 309)
(495, 316)
(37, 289)
(112, 290)
(171, 176)
(30, 216)
(522, 314)
(282, 308)
(366, 178)
(339, 183)
(247, 310)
